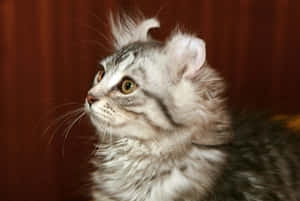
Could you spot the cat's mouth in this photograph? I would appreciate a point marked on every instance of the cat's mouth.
(95, 116)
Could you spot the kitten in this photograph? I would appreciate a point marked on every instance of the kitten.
(166, 133)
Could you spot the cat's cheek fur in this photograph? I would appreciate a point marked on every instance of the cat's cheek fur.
(150, 113)
(185, 103)
(107, 112)
(134, 129)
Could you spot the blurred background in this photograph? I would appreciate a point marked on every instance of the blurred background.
(48, 55)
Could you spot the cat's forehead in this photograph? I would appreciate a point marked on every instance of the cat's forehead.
(134, 50)
(119, 56)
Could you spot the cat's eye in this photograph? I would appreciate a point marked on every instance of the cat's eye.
(101, 73)
(127, 86)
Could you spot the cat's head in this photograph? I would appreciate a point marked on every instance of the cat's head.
(157, 91)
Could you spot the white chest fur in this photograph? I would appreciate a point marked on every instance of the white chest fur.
(129, 172)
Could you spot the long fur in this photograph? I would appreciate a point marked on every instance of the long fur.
(173, 138)
(126, 30)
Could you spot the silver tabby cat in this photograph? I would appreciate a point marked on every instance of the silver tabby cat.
(166, 133)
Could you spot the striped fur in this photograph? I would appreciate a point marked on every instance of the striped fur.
(171, 139)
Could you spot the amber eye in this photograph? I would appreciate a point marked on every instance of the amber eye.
(127, 86)
(101, 73)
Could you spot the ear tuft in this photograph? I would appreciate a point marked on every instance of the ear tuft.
(126, 30)
(188, 52)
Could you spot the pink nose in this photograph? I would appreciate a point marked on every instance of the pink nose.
(91, 99)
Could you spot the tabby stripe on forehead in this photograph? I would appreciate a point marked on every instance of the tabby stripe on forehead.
(124, 53)
(163, 108)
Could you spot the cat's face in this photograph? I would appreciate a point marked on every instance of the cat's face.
(149, 90)
(131, 87)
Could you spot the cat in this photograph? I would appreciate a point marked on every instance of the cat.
(167, 133)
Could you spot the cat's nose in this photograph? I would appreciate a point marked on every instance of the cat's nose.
(91, 99)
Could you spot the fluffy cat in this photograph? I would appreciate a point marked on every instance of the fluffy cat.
(166, 133)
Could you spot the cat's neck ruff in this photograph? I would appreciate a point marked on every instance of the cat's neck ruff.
(128, 170)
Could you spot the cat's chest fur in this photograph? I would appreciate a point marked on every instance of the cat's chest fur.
(126, 172)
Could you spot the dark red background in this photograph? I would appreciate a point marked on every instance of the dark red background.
(48, 55)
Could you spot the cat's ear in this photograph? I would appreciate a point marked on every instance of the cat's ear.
(186, 53)
(126, 29)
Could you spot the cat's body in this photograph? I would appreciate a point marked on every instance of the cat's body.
(166, 133)
(261, 164)
(145, 175)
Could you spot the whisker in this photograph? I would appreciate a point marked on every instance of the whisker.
(52, 110)
(103, 114)
(60, 121)
(63, 105)
(60, 124)
(69, 128)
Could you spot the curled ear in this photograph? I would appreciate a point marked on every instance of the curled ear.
(126, 30)
(187, 53)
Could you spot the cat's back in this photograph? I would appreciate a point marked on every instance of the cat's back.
(264, 162)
